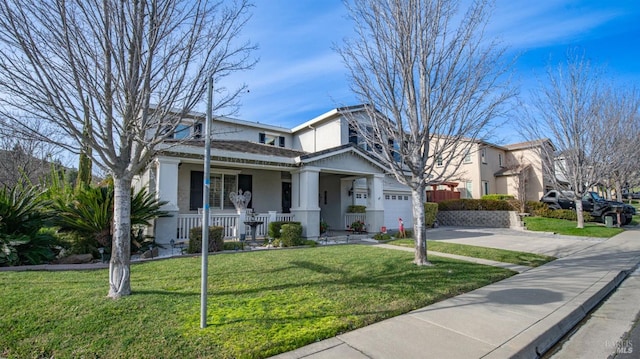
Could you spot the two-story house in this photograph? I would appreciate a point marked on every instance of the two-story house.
(308, 173)
(488, 169)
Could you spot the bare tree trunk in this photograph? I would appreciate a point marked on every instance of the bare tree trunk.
(119, 279)
(419, 227)
(579, 213)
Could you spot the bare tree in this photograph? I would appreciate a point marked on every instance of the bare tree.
(433, 85)
(23, 159)
(568, 110)
(621, 136)
(109, 60)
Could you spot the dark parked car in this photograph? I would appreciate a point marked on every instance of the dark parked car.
(601, 208)
(598, 207)
(559, 199)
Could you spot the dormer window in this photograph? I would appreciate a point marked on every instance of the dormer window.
(271, 139)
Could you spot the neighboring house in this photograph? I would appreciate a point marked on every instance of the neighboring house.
(489, 169)
(309, 173)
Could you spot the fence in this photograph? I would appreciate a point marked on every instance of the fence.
(349, 218)
(230, 222)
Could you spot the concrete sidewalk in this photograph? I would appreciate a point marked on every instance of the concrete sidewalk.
(522, 316)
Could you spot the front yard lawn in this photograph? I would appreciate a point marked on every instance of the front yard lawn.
(260, 303)
(564, 227)
(500, 255)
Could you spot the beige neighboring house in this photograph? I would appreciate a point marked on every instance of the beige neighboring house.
(493, 169)
(310, 173)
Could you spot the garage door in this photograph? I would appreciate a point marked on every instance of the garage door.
(397, 206)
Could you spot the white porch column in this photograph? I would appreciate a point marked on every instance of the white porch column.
(304, 189)
(167, 190)
(375, 203)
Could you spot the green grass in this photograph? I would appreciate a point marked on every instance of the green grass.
(564, 227)
(260, 303)
(500, 255)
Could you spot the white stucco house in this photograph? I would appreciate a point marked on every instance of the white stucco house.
(309, 173)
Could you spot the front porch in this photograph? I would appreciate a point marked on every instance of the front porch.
(233, 223)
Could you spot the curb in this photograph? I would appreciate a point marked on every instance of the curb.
(542, 336)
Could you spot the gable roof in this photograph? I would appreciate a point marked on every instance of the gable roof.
(528, 144)
(347, 148)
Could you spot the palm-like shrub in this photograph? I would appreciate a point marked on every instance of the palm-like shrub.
(23, 215)
(89, 216)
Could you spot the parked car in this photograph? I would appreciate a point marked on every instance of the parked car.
(598, 207)
(601, 208)
(559, 199)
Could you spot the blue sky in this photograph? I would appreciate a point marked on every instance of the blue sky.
(299, 76)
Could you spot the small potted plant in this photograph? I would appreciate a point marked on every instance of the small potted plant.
(357, 226)
(324, 227)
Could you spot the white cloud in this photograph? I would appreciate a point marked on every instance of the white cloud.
(533, 24)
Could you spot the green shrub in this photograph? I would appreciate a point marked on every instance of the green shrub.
(232, 245)
(498, 197)
(216, 239)
(382, 236)
(23, 216)
(356, 209)
(430, 213)
(275, 227)
(540, 209)
(87, 213)
(467, 204)
(536, 208)
(291, 235)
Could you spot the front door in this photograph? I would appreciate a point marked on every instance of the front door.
(286, 197)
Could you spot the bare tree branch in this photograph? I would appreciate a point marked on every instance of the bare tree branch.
(432, 85)
(109, 61)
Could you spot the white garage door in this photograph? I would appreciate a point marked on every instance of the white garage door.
(397, 206)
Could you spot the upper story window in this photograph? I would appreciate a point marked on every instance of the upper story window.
(500, 159)
(184, 131)
(271, 139)
(483, 155)
(467, 157)
(439, 161)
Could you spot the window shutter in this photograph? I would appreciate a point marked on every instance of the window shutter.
(261, 137)
(281, 141)
(196, 190)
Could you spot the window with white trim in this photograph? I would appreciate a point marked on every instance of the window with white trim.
(271, 139)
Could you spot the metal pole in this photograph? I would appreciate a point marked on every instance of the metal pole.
(205, 202)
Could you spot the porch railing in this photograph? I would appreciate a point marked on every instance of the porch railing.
(230, 222)
(349, 218)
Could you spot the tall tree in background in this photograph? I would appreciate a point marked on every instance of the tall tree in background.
(132, 67)
(84, 160)
(433, 84)
(568, 110)
(621, 114)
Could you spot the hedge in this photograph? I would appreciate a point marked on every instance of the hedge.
(291, 235)
(541, 209)
(430, 213)
(216, 239)
(467, 204)
(356, 209)
(499, 197)
(275, 226)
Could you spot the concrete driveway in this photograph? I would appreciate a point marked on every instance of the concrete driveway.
(513, 239)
